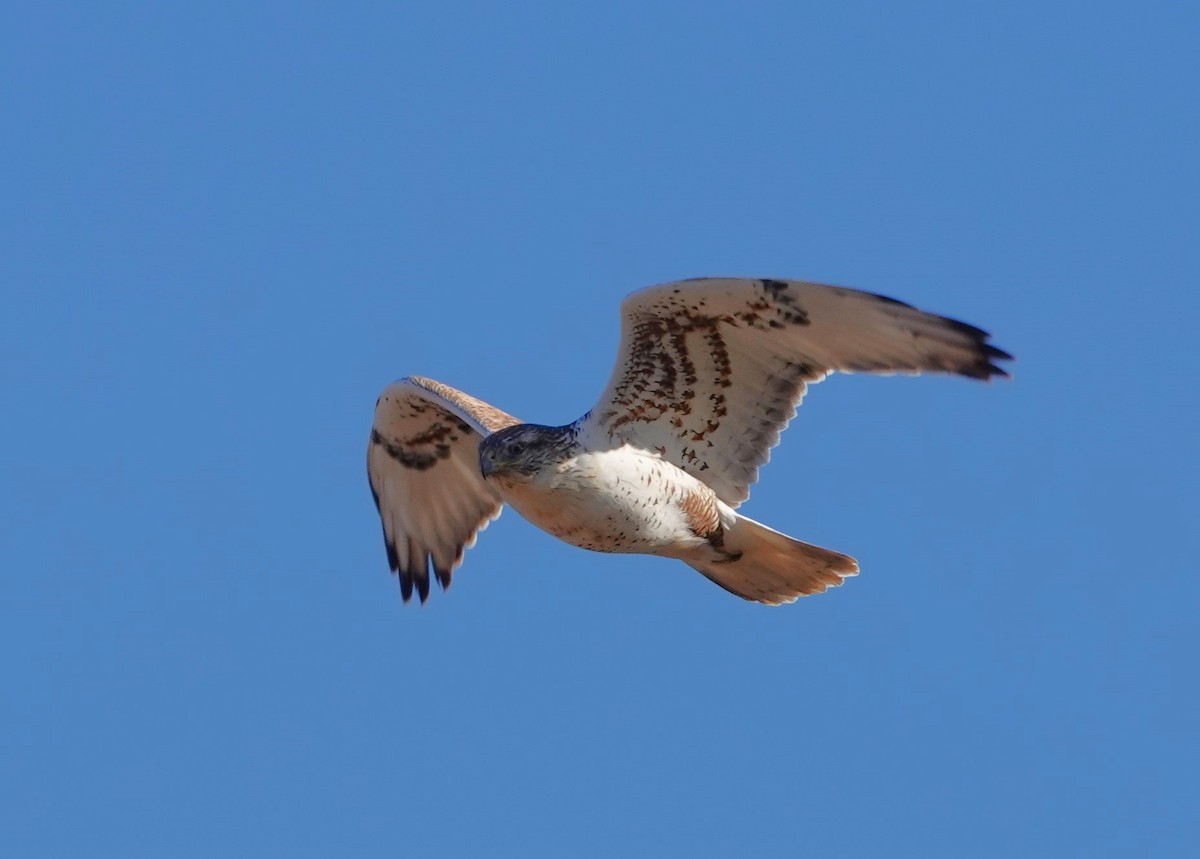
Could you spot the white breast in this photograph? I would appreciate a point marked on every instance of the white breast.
(620, 500)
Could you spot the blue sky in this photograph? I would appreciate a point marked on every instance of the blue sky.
(229, 226)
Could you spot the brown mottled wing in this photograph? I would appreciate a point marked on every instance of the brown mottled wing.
(423, 464)
(710, 371)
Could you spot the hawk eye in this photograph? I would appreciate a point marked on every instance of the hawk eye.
(517, 448)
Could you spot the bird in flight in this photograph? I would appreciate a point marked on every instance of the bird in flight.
(708, 374)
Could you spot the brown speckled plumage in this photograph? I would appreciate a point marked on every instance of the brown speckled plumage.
(708, 374)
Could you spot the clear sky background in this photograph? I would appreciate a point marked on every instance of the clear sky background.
(227, 227)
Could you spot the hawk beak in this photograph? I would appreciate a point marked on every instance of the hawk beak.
(486, 463)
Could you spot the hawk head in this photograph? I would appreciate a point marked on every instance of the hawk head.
(523, 451)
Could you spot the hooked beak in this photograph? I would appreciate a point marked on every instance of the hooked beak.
(487, 462)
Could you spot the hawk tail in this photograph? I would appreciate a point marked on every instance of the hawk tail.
(760, 564)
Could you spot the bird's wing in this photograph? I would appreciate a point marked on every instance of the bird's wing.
(423, 464)
(710, 371)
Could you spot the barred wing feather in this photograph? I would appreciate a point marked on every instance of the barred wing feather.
(710, 371)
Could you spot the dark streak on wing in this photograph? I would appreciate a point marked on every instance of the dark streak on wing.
(710, 370)
(793, 314)
(430, 509)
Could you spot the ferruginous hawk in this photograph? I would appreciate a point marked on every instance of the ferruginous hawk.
(708, 374)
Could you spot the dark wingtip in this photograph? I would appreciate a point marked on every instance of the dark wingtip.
(443, 576)
(392, 556)
(992, 354)
(985, 368)
(970, 330)
(414, 572)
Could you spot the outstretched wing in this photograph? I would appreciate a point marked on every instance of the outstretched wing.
(423, 464)
(710, 371)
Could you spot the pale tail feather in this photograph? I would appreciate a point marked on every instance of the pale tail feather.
(773, 568)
